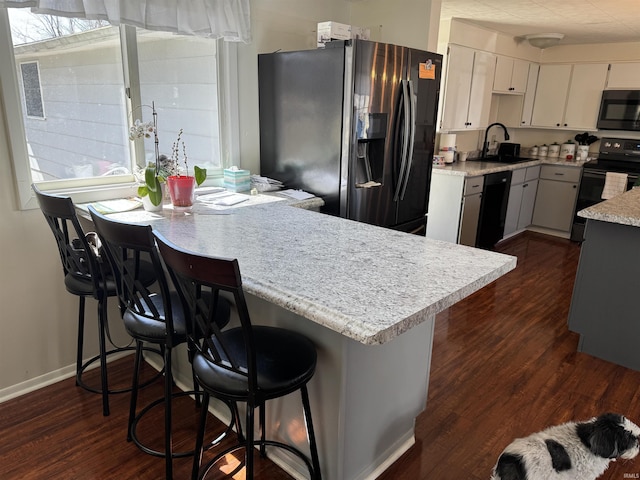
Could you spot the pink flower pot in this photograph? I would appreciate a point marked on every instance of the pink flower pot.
(182, 191)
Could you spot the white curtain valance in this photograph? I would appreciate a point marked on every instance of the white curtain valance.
(228, 19)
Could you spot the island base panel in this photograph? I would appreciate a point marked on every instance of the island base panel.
(364, 398)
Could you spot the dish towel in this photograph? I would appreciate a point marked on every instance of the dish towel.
(614, 184)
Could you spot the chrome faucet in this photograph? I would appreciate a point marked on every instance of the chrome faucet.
(485, 144)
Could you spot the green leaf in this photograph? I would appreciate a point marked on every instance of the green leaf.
(151, 180)
(200, 174)
(156, 195)
(143, 190)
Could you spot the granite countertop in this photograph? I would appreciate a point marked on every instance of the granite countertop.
(472, 168)
(368, 283)
(623, 209)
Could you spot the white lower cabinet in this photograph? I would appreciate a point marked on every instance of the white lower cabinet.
(454, 208)
(470, 211)
(522, 197)
(556, 197)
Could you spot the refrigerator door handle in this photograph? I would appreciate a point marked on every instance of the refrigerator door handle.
(412, 137)
(405, 140)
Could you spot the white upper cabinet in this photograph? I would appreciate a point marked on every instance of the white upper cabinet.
(468, 86)
(529, 95)
(624, 76)
(551, 95)
(568, 96)
(585, 93)
(511, 75)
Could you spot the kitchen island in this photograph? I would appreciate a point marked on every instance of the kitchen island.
(604, 305)
(367, 297)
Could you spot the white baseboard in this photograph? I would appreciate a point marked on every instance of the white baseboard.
(47, 379)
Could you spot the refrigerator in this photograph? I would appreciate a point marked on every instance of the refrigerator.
(353, 123)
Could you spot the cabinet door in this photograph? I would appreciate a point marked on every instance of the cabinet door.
(551, 95)
(529, 190)
(445, 202)
(513, 209)
(457, 87)
(624, 75)
(519, 76)
(470, 217)
(484, 65)
(554, 205)
(585, 92)
(511, 75)
(530, 94)
(502, 77)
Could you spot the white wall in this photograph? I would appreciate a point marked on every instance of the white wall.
(39, 318)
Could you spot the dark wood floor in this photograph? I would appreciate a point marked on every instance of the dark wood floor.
(504, 365)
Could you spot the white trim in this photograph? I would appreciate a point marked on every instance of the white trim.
(12, 109)
(49, 378)
(228, 103)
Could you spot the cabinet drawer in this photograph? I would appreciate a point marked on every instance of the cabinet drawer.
(473, 185)
(560, 173)
(518, 176)
(532, 173)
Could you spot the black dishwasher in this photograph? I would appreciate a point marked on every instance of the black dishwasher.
(493, 209)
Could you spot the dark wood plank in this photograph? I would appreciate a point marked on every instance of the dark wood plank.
(504, 365)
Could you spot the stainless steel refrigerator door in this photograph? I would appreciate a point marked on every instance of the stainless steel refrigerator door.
(376, 142)
(301, 121)
(424, 70)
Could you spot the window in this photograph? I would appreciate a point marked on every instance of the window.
(93, 81)
(31, 89)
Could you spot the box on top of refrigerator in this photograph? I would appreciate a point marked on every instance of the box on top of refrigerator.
(328, 31)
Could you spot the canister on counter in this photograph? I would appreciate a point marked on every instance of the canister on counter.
(568, 151)
(583, 152)
(554, 150)
(543, 151)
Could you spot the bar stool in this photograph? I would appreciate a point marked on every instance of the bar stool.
(84, 277)
(249, 364)
(152, 317)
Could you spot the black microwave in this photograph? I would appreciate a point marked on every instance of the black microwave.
(620, 110)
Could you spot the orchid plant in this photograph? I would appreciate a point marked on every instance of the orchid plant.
(156, 173)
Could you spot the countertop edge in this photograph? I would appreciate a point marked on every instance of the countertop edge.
(623, 209)
(472, 168)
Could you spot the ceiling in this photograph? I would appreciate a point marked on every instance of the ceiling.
(582, 21)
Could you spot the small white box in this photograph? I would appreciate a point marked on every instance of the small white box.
(360, 32)
(328, 31)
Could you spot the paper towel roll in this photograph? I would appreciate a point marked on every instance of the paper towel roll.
(448, 155)
(448, 141)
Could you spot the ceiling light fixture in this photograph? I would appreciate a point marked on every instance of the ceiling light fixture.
(544, 40)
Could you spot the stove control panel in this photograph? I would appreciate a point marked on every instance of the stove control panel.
(620, 147)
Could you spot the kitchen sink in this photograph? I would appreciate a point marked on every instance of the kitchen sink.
(505, 159)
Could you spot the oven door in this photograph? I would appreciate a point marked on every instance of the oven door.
(590, 193)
